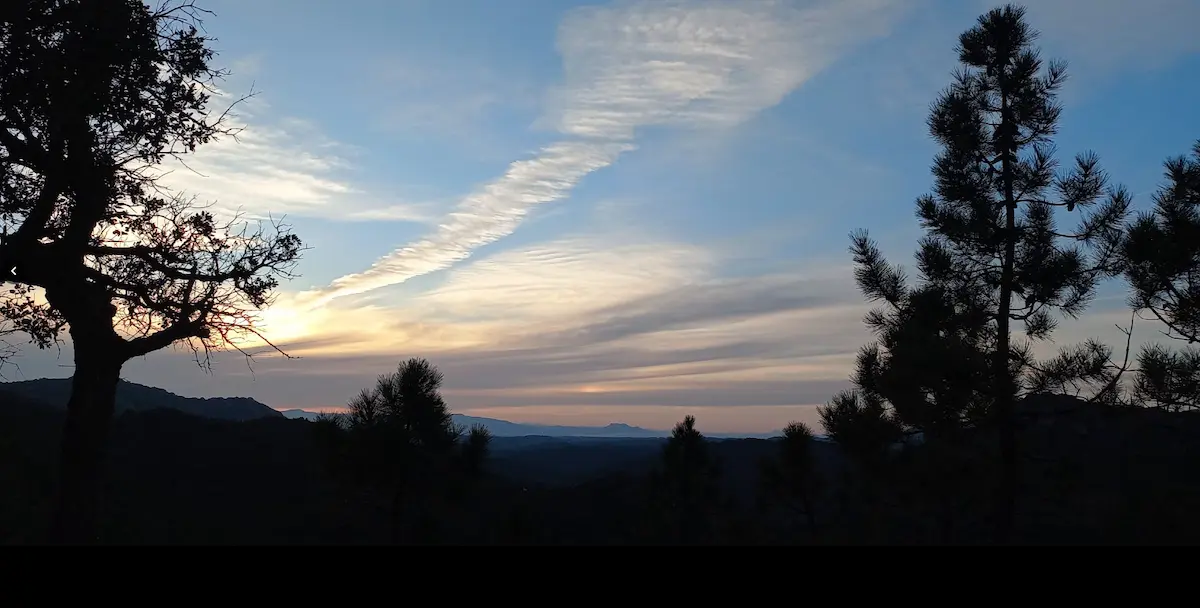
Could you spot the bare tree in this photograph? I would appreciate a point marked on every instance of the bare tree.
(94, 96)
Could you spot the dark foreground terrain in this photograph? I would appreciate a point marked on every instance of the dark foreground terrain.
(180, 478)
(1091, 475)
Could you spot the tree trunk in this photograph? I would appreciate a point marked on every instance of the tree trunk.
(809, 515)
(84, 439)
(1006, 494)
(397, 516)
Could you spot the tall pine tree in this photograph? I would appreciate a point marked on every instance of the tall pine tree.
(993, 256)
(399, 438)
(686, 489)
(1162, 255)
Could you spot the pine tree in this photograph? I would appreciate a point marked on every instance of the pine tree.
(791, 479)
(1162, 257)
(993, 255)
(399, 437)
(686, 488)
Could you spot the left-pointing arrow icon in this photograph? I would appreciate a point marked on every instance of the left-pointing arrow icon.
(13, 270)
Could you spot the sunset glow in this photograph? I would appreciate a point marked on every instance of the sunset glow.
(619, 211)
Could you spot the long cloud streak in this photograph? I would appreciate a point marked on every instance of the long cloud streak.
(631, 66)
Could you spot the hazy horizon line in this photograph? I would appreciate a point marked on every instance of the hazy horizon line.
(548, 425)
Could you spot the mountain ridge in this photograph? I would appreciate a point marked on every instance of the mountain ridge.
(131, 396)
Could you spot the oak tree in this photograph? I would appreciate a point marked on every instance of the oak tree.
(94, 96)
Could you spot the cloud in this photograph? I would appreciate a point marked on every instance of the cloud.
(631, 66)
(596, 320)
(565, 279)
(697, 64)
(694, 394)
(649, 339)
(591, 314)
(742, 419)
(648, 334)
(484, 217)
(280, 166)
(421, 212)
(715, 303)
(496, 301)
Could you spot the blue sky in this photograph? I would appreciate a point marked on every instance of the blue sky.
(625, 211)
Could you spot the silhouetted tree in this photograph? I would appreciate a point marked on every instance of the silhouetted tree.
(687, 485)
(8, 349)
(993, 253)
(401, 438)
(94, 94)
(791, 480)
(1162, 255)
(861, 423)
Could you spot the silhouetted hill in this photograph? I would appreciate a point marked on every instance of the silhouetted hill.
(136, 397)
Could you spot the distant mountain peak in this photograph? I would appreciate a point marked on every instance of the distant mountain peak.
(613, 430)
(298, 414)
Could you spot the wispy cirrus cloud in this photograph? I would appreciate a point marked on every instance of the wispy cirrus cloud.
(279, 166)
(568, 324)
(507, 300)
(630, 66)
(484, 217)
(563, 280)
(661, 342)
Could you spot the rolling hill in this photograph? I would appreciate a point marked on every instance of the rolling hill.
(137, 397)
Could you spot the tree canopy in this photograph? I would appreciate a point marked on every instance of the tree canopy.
(94, 96)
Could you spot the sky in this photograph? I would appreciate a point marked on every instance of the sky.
(587, 213)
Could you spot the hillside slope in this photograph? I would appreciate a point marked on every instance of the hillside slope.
(137, 397)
